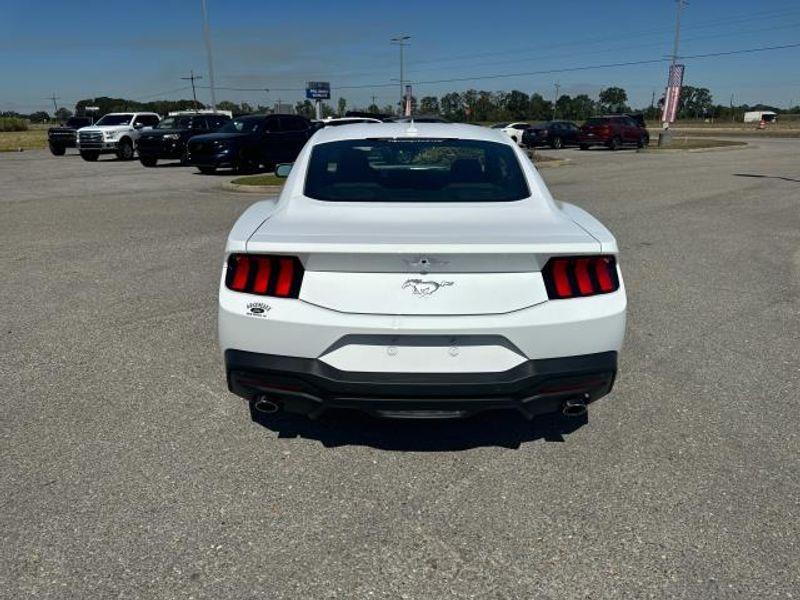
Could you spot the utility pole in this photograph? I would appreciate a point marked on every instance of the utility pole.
(192, 78)
(402, 41)
(733, 118)
(55, 106)
(555, 100)
(207, 38)
(373, 100)
(680, 4)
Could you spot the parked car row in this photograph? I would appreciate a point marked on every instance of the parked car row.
(206, 139)
(612, 131)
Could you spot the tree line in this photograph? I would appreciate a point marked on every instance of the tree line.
(472, 106)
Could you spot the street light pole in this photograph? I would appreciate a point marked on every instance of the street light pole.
(207, 38)
(402, 41)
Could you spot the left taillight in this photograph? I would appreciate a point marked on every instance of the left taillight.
(580, 276)
(265, 275)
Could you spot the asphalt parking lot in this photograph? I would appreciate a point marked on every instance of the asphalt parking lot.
(128, 471)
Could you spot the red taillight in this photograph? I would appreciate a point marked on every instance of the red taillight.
(576, 276)
(265, 275)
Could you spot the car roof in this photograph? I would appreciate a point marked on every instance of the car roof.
(360, 131)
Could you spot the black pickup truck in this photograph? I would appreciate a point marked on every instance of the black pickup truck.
(61, 138)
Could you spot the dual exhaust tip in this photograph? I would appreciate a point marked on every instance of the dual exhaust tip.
(573, 407)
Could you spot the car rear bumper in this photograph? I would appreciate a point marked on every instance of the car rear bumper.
(310, 386)
(217, 160)
(592, 140)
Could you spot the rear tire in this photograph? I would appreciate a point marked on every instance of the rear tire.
(148, 161)
(57, 150)
(643, 142)
(208, 170)
(557, 143)
(125, 150)
(615, 144)
(90, 156)
(584, 146)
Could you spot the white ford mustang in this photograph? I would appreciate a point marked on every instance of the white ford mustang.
(419, 270)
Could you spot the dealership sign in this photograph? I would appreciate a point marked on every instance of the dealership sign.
(318, 90)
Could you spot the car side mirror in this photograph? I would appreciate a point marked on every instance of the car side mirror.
(283, 169)
(138, 125)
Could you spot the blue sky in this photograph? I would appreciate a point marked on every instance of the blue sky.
(140, 49)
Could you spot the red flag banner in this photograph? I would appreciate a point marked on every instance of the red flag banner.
(673, 95)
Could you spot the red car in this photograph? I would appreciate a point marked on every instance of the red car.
(614, 132)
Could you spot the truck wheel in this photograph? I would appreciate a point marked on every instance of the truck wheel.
(125, 150)
(57, 150)
(208, 170)
(148, 161)
(556, 144)
(90, 156)
(615, 143)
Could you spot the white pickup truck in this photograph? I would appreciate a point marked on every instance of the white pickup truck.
(114, 133)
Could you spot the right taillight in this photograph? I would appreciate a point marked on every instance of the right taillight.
(580, 276)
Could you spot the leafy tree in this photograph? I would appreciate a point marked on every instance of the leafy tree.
(306, 109)
(517, 105)
(228, 105)
(452, 106)
(540, 109)
(39, 116)
(429, 105)
(485, 106)
(563, 107)
(694, 102)
(62, 114)
(374, 108)
(469, 99)
(582, 108)
(326, 110)
(613, 99)
(246, 108)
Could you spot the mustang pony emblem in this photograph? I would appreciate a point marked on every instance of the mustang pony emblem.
(424, 288)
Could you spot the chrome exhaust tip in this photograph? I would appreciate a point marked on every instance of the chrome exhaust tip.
(574, 407)
(265, 406)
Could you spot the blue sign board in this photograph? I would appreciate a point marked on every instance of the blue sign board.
(318, 90)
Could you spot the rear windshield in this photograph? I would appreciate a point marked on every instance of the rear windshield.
(415, 170)
(597, 121)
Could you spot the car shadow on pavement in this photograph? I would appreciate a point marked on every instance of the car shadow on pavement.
(351, 428)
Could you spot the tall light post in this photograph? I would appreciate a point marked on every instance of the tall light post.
(402, 42)
(207, 38)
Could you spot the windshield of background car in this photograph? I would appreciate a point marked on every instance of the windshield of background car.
(77, 122)
(415, 170)
(115, 120)
(241, 126)
(175, 123)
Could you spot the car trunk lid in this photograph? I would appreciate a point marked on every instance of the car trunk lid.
(420, 260)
